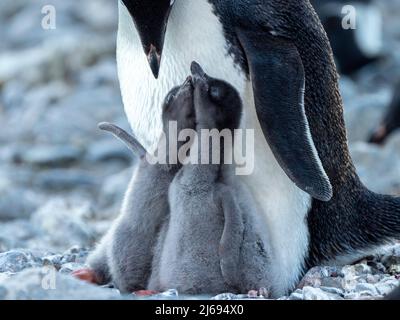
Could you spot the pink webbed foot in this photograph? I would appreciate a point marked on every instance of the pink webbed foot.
(145, 293)
(87, 275)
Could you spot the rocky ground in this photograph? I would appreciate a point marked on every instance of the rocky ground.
(61, 180)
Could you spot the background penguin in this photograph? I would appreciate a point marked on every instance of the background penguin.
(353, 48)
(214, 242)
(124, 255)
(391, 120)
(277, 55)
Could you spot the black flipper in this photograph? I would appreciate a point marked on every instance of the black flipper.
(125, 137)
(278, 78)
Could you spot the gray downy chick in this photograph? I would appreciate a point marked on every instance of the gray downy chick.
(213, 243)
(125, 253)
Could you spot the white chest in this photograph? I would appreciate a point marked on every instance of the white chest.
(195, 33)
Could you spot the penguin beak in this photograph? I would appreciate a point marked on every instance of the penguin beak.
(198, 73)
(153, 43)
(154, 59)
(151, 19)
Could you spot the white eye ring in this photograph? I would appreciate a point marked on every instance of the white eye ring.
(172, 2)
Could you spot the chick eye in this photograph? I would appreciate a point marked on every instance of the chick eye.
(216, 92)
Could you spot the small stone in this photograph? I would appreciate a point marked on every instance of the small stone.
(386, 287)
(70, 267)
(17, 204)
(53, 260)
(51, 156)
(64, 179)
(310, 293)
(229, 296)
(114, 188)
(317, 275)
(366, 289)
(61, 223)
(16, 234)
(44, 284)
(106, 150)
(17, 260)
(333, 290)
(362, 268)
(297, 295)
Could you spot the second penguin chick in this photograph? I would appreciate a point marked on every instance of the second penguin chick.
(125, 254)
(213, 243)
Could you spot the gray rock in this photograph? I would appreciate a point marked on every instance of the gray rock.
(321, 276)
(377, 168)
(310, 293)
(106, 150)
(363, 113)
(51, 156)
(103, 73)
(333, 290)
(114, 188)
(70, 267)
(65, 179)
(47, 284)
(386, 286)
(366, 289)
(75, 254)
(18, 204)
(297, 295)
(17, 260)
(16, 234)
(54, 260)
(62, 225)
(226, 296)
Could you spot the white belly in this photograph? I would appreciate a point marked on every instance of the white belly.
(194, 33)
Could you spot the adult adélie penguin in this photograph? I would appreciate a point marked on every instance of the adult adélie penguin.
(277, 55)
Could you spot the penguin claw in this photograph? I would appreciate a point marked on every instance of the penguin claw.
(87, 275)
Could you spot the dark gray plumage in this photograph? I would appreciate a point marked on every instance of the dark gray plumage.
(212, 243)
(125, 253)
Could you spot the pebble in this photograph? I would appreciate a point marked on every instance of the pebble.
(61, 224)
(16, 261)
(50, 156)
(47, 284)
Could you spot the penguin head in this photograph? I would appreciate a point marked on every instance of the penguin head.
(217, 103)
(178, 106)
(150, 19)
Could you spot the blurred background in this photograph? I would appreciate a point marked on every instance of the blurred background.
(60, 177)
(62, 180)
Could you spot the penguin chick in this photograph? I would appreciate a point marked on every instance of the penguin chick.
(124, 255)
(213, 243)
